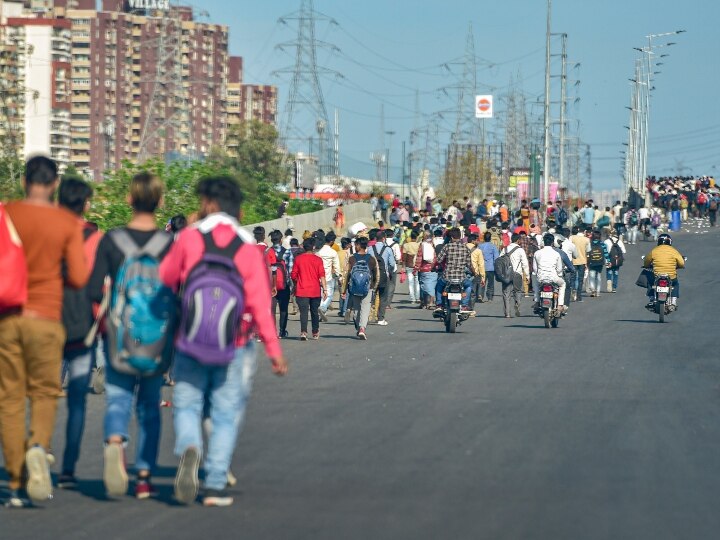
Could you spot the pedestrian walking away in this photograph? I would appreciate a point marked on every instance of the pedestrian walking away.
(215, 261)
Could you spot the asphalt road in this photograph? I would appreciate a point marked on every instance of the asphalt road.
(606, 428)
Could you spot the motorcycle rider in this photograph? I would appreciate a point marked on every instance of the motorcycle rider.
(664, 259)
(456, 259)
(549, 269)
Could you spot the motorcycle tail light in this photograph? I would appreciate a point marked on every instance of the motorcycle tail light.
(547, 288)
(663, 283)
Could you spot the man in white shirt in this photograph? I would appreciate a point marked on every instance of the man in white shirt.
(331, 262)
(512, 292)
(549, 269)
(392, 244)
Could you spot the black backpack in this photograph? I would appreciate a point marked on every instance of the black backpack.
(381, 266)
(504, 271)
(596, 257)
(616, 255)
(77, 313)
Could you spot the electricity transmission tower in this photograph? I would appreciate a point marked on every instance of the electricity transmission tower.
(517, 141)
(162, 119)
(305, 117)
(466, 125)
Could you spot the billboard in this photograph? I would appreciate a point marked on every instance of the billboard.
(162, 5)
(519, 180)
(483, 106)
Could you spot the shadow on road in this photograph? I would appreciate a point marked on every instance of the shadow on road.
(645, 321)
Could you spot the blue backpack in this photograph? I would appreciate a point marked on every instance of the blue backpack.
(143, 311)
(359, 281)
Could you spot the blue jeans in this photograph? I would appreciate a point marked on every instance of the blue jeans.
(675, 288)
(467, 291)
(227, 389)
(119, 392)
(79, 368)
(428, 281)
(612, 275)
(325, 304)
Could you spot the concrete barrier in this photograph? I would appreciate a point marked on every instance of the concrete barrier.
(322, 219)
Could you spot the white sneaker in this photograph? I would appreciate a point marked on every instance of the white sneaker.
(383, 323)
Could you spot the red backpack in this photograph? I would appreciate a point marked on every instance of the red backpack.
(13, 285)
(277, 260)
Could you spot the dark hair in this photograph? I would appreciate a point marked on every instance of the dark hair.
(548, 239)
(575, 229)
(414, 235)
(438, 232)
(330, 238)
(361, 242)
(344, 243)
(455, 233)
(259, 233)
(40, 170)
(472, 238)
(380, 236)
(487, 236)
(515, 237)
(74, 194)
(596, 235)
(224, 191)
(308, 245)
(288, 232)
(372, 234)
(294, 242)
(178, 223)
(276, 237)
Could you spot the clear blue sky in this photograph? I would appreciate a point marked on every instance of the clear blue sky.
(685, 122)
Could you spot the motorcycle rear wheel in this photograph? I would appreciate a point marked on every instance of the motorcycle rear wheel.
(451, 323)
(546, 316)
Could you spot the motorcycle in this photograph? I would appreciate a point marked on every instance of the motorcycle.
(662, 290)
(548, 308)
(451, 315)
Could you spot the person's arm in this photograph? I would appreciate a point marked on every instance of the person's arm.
(295, 273)
(101, 269)
(648, 260)
(74, 257)
(679, 259)
(346, 278)
(323, 286)
(172, 264)
(335, 267)
(251, 265)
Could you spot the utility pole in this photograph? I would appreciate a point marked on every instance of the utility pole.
(404, 177)
(336, 149)
(563, 109)
(546, 152)
(387, 157)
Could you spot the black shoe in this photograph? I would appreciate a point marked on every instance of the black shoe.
(67, 481)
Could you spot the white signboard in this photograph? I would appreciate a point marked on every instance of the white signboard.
(163, 5)
(483, 106)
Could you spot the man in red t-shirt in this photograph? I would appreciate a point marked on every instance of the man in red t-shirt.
(308, 273)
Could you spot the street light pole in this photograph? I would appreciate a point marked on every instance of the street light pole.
(546, 153)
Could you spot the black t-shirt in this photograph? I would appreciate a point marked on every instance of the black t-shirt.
(109, 258)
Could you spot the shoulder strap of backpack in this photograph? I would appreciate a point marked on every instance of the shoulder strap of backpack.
(156, 245)
(124, 242)
(228, 251)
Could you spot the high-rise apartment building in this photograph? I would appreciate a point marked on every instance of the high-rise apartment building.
(133, 80)
(35, 105)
